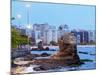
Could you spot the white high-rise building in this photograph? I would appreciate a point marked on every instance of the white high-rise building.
(41, 32)
(49, 36)
(62, 29)
(48, 33)
(78, 39)
(52, 34)
(92, 36)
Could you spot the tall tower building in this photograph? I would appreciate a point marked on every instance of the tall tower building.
(62, 29)
(92, 36)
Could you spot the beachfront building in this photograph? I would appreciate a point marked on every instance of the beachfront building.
(44, 32)
(52, 35)
(78, 39)
(62, 29)
(33, 37)
(49, 36)
(92, 36)
(84, 36)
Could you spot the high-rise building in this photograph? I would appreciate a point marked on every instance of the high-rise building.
(84, 36)
(33, 37)
(92, 36)
(78, 39)
(62, 29)
(51, 34)
(41, 32)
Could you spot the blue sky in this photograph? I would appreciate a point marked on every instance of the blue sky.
(75, 16)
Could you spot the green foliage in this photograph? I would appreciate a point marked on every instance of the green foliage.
(23, 40)
(17, 39)
(14, 38)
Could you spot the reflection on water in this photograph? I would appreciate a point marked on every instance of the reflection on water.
(88, 65)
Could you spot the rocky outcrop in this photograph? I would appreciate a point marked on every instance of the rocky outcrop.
(45, 55)
(40, 45)
(67, 55)
(68, 49)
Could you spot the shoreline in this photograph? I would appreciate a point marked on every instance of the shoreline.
(53, 47)
(86, 45)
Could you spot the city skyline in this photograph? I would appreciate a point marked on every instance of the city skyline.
(77, 16)
(47, 34)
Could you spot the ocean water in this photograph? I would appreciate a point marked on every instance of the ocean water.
(91, 55)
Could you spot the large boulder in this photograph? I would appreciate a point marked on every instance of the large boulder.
(67, 55)
(68, 49)
(40, 45)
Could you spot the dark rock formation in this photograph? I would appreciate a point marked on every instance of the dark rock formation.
(83, 52)
(45, 54)
(67, 55)
(47, 48)
(40, 45)
(68, 49)
(40, 68)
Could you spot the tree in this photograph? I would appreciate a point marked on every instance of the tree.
(14, 37)
(17, 39)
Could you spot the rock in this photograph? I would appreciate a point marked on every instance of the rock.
(37, 69)
(47, 48)
(92, 54)
(67, 55)
(34, 49)
(40, 68)
(83, 52)
(12, 64)
(40, 46)
(44, 55)
(35, 55)
(68, 49)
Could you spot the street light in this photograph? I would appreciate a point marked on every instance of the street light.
(28, 5)
(28, 24)
(29, 27)
(19, 17)
(28, 17)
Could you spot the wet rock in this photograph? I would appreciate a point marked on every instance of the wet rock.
(40, 45)
(45, 54)
(86, 60)
(12, 64)
(67, 55)
(92, 54)
(31, 57)
(34, 49)
(35, 55)
(83, 52)
(40, 68)
(47, 48)
(45, 67)
(68, 49)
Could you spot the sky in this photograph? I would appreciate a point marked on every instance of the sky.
(75, 16)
